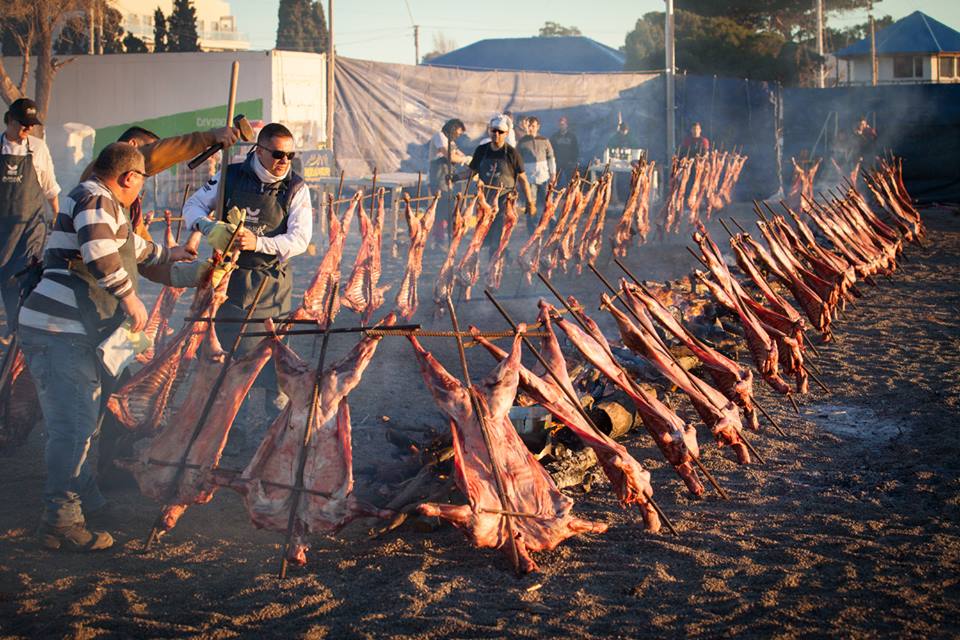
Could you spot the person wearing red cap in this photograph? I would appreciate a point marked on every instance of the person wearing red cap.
(26, 181)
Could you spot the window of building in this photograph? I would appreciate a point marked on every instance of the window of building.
(948, 67)
(908, 67)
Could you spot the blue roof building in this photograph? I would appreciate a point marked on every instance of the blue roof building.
(915, 49)
(560, 54)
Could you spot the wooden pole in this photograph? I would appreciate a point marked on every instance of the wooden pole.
(696, 459)
(482, 421)
(331, 76)
(570, 396)
(307, 431)
(225, 159)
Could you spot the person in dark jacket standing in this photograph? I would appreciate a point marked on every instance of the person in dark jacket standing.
(27, 182)
(497, 164)
(566, 149)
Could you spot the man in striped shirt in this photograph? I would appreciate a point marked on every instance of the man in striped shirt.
(89, 287)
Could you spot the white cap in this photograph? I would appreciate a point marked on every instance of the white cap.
(500, 122)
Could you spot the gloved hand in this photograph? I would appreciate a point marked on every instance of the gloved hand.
(189, 274)
(219, 233)
(220, 271)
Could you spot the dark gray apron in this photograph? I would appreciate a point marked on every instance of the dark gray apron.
(22, 230)
(266, 207)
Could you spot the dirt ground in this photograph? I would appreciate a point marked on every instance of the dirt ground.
(851, 529)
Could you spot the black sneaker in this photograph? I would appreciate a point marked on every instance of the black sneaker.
(74, 538)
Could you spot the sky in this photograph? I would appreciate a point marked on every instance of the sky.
(382, 29)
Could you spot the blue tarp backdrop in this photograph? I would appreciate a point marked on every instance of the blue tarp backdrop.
(386, 114)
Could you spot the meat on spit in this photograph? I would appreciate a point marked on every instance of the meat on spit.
(268, 482)
(420, 226)
(527, 487)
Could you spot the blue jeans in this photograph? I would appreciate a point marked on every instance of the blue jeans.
(65, 369)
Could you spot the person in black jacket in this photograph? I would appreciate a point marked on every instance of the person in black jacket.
(566, 148)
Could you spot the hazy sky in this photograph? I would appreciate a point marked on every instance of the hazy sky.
(381, 29)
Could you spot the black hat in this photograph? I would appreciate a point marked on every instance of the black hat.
(24, 111)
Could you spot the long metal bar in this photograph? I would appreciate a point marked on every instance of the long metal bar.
(302, 458)
(482, 421)
(570, 395)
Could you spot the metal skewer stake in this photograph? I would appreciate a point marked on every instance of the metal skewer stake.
(482, 421)
(692, 378)
(307, 431)
(570, 397)
(753, 398)
(696, 459)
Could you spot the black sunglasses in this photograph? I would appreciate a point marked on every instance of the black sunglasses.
(145, 176)
(276, 154)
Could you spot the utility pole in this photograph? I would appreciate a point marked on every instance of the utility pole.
(821, 71)
(331, 61)
(671, 64)
(416, 44)
(874, 71)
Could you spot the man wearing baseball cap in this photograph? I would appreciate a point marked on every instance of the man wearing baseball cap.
(497, 164)
(26, 180)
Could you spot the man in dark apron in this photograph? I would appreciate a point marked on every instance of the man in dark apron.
(22, 228)
(277, 227)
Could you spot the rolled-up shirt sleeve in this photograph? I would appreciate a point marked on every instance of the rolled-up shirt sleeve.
(43, 163)
(299, 229)
(200, 204)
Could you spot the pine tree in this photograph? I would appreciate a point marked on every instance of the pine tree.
(133, 44)
(290, 25)
(302, 26)
(159, 31)
(182, 27)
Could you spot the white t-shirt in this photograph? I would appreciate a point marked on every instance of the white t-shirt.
(42, 162)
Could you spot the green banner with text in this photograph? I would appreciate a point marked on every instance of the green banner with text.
(179, 123)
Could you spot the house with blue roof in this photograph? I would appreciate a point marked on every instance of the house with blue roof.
(913, 50)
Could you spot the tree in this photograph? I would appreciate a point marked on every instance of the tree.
(75, 37)
(793, 19)
(441, 45)
(35, 25)
(159, 31)
(302, 26)
(133, 44)
(182, 27)
(550, 29)
(717, 45)
(836, 39)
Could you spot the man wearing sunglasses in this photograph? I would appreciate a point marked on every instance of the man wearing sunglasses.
(497, 164)
(88, 289)
(26, 181)
(278, 226)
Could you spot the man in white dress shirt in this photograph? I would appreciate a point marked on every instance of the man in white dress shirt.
(278, 226)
